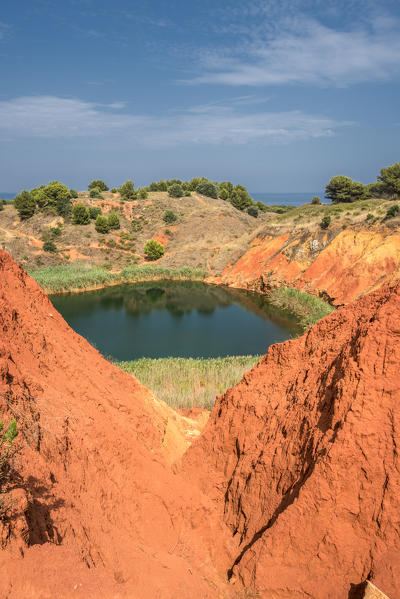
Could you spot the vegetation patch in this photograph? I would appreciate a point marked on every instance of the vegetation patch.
(308, 308)
(185, 383)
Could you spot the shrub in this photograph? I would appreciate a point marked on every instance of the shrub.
(325, 222)
(114, 190)
(7, 455)
(393, 211)
(143, 193)
(370, 216)
(99, 184)
(315, 200)
(25, 204)
(344, 189)
(240, 198)
(113, 220)
(73, 193)
(1, 205)
(94, 212)
(55, 231)
(187, 193)
(80, 214)
(169, 217)
(253, 211)
(207, 188)
(153, 249)
(95, 193)
(49, 246)
(175, 190)
(101, 225)
(127, 190)
(390, 178)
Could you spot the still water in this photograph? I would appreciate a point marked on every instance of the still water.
(180, 319)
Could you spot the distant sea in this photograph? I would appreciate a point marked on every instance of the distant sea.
(288, 199)
(7, 196)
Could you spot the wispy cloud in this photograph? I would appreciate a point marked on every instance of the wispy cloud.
(303, 50)
(54, 117)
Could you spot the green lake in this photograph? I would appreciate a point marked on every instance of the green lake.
(181, 319)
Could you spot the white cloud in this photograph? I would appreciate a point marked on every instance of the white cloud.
(305, 51)
(54, 117)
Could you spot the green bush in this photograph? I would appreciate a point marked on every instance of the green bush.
(208, 189)
(101, 225)
(175, 190)
(114, 190)
(80, 214)
(325, 222)
(390, 179)
(73, 193)
(127, 191)
(25, 204)
(344, 189)
(169, 217)
(49, 246)
(143, 193)
(315, 200)
(95, 193)
(253, 211)
(153, 249)
(54, 195)
(99, 184)
(94, 212)
(8, 452)
(113, 220)
(393, 211)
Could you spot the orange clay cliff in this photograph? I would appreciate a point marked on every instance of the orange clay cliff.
(292, 490)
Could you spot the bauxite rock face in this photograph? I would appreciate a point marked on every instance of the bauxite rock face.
(303, 454)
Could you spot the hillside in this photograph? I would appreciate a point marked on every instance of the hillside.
(358, 252)
(292, 490)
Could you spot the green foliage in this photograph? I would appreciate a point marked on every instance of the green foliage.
(261, 206)
(80, 214)
(344, 189)
(315, 200)
(153, 249)
(101, 225)
(99, 184)
(73, 193)
(390, 179)
(25, 204)
(54, 195)
(189, 383)
(169, 217)
(208, 189)
(95, 193)
(325, 222)
(49, 246)
(94, 212)
(393, 211)
(127, 191)
(240, 198)
(114, 190)
(113, 220)
(175, 190)
(307, 307)
(143, 193)
(253, 211)
(7, 454)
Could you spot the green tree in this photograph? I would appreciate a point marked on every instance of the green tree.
(390, 177)
(127, 191)
(207, 188)
(73, 193)
(175, 190)
(80, 214)
(101, 225)
(94, 212)
(344, 189)
(240, 198)
(25, 204)
(143, 193)
(325, 222)
(193, 183)
(99, 184)
(95, 193)
(113, 220)
(153, 249)
(169, 217)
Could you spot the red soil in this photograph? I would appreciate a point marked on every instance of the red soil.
(293, 489)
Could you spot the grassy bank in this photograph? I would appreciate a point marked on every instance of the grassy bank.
(307, 307)
(58, 279)
(186, 383)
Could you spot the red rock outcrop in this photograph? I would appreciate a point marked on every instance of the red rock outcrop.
(340, 264)
(302, 456)
(97, 510)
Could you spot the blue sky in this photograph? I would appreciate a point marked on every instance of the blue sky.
(278, 95)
